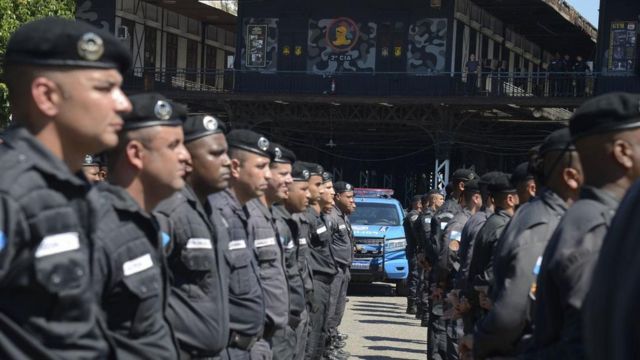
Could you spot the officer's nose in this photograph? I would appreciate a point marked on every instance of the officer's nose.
(123, 105)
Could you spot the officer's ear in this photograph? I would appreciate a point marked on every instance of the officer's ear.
(236, 164)
(134, 152)
(623, 153)
(572, 178)
(47, 96)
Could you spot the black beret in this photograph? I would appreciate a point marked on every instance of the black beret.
(299, 172)
(521, 173)
(281, 154)
(326, 177)
(314, 169)
(54, 41)
(342, 187)
(434, 192)
(249, 141)
(605, 113)
(487, 178)
(152, 109)
(559, 140)
(92, 160)
(464, 175)
(416, 198)
(199, 126)
(501, 184)
(471, 186)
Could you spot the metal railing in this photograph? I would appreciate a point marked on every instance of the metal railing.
(488, 83)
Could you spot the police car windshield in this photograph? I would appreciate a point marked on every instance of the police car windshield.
(375, 214)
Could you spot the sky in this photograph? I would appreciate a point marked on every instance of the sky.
(588, 9)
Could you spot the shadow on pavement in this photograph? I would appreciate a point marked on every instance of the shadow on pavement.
(378, 357)
(391, 316)
(371, 289)
(398, 349)
(399, 340)
(378, 303)
(405, 323)
(365, 309)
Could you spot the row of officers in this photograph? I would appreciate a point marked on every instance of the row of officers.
(541, 263)
(202, 244)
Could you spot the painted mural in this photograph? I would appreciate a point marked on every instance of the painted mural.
(260, 50)
(100, 13)
(427, 48)
(341, 45)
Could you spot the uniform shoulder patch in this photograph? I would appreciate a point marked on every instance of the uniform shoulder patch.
(427, 220)
(413, 218)
(3, 241)
(166, 239)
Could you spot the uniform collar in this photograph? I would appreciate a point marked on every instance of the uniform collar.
(554, 201)
(33, 150)
(599, 195)
(120, 199)
(261, 207)
(280, 211)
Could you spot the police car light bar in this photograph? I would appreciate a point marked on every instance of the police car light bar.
(365, 192)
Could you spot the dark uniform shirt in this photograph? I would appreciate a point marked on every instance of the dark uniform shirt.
(341, 237)
(288, 231)
(422, 229)
(198, 303)
(130, 278)
(269, 255)
(304, 234)
(518, 250)
(481, 267)
(321, 259)
(565, 275)
(439, 222)
(409, 225)
(246, 302)
(47, 308)
(469, 233)
(448, 262)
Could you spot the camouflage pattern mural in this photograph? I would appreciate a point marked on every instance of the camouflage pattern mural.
(260, 50)
(427, 46)
(341, 45)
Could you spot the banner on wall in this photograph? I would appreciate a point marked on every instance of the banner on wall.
(100, 13)
(341, 45)
(427, 48)
(623, 46)
(260, 50)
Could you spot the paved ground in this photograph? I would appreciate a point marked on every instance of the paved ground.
(378, 327)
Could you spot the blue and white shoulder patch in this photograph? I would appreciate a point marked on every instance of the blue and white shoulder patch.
(3, 241)
(166, 239)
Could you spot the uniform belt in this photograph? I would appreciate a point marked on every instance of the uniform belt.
(342, 266)
(327, 279)
(242, 342)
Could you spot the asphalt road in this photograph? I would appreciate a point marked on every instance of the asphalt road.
(379, 328)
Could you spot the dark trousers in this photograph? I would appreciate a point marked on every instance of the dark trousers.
(235, 354)
(318, 320)
(424, 295)
(338, 299)
(472, 83)
(283, 344)
(414, 279)
(302, 332)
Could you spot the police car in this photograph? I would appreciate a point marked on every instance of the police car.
(379, 239)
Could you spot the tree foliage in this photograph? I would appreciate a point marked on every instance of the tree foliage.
(14, 13)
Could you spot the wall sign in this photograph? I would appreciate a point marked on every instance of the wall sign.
(623, 46)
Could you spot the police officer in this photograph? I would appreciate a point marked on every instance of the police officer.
(199, 300)
(284, 342)
(321, 263)
(606, 133)
(448, 263)
(422, 230)
(524, 182)
(91, 168)
(64, 82)
(437, 327)
(469, 233)
(296, 204)
(342, 249)
(507, 326)
(408, 225)
(130, 275)
(269, 250)
(249, 176)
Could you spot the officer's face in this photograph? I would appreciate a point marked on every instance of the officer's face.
(211, 163)
(252, 174)
(92, 173)
(299, 195)
(90, 106)
(345, 202)
(438, 200)
(164, 160)
(326, 198)
(315, 188)
(280, 180)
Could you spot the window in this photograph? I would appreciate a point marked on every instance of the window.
(150, 47)
(173, 20)
(375, 214)
(193, 27)
(211, 65)
(172, 52)
(212, 33)
(192, 60)
(151, 12)
(230, 38)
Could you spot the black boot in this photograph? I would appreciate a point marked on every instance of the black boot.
(412, 308)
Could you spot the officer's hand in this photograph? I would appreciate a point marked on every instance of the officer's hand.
(465, 347)
(436, 293)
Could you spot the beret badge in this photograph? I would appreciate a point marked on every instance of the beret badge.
(90, 47)
(163, 110)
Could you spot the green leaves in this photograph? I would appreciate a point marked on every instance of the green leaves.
(14, 13)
